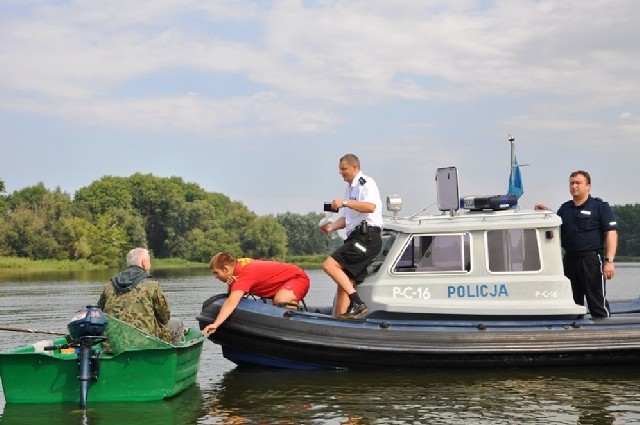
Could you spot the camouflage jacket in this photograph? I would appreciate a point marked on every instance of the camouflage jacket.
(136, 298)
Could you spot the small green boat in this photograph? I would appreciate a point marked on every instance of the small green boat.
(133, 367)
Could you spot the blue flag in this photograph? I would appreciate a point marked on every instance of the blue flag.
(515, 180)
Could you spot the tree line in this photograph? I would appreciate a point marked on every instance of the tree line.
(174, 219)
(628, 218)
(171, 217)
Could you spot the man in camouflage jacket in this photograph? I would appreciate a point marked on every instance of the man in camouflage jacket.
(136, 298)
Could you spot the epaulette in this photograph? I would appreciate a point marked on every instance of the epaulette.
(362, 181)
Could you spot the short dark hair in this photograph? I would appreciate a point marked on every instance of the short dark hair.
(584, 173)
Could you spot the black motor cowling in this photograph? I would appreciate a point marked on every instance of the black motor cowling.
(88, 322)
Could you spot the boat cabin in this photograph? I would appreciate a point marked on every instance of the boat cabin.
(478, 257)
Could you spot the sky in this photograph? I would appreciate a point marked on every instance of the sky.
(258, 100)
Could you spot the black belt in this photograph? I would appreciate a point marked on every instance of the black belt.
(370, 228)
(580, 254)
(358, 231)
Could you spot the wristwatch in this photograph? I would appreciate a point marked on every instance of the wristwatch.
(609, 259)
(344, 204)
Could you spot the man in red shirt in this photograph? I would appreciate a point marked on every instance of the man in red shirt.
(283, 282)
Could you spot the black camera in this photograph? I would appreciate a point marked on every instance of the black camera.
(327, 207)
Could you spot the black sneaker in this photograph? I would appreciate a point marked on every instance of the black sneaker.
(354, 311)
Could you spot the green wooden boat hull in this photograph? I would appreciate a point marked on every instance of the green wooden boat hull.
(30, 375)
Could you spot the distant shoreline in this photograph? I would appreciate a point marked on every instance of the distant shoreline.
(16, 264)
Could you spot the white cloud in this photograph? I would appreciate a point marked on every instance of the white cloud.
(409, 77)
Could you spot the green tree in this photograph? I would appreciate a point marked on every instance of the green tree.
(76, 236)
(192, 191)
(628, 218)
(109, 243)
(103, 195)
(4, 229)
(159, 201)
(265, 238)
(33, 222)
(55, 206)
(235, 219)
(304, 237)
(169, 208)
(201, 246)
(219, 201)
(133, 225)
(199, 214)
(167, 215)
(29, 197)
(196, 218)
(4, 205)
(27, 236)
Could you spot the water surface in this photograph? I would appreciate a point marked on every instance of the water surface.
(227, 395)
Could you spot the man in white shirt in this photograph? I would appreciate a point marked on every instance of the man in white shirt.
(361, 216)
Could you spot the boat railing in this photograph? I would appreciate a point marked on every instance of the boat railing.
(484, 215)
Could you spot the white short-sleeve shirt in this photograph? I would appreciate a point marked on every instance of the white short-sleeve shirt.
(362, 188)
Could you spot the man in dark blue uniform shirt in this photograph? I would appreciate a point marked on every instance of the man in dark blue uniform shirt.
(589, 237)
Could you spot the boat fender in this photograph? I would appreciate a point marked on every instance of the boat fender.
(575, 325)
(481, 327)
(384, 325)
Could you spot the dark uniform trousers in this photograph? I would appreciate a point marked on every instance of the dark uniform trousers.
(584, 270)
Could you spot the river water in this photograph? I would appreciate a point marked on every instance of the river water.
(226, 395)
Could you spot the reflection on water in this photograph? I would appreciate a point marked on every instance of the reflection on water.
(453, 397)
(12, 275)
(226, 395)
(185, 408)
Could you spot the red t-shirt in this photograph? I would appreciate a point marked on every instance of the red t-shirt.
(263, 278)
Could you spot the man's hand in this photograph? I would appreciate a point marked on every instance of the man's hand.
(209, 329)
(608, 270)
(539, 206)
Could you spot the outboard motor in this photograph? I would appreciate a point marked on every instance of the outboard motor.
(89, 322)
(86, 330)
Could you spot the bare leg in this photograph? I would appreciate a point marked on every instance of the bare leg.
(342, 302)
(345, 285)
(284, 296)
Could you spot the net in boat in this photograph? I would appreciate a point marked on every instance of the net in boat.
(122, 336)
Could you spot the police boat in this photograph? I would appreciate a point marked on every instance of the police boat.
(478, 284)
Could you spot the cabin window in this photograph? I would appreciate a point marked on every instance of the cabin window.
(513, 250)
(388, 237)
(435, 254)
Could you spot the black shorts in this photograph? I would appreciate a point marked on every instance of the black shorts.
(357, 252)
